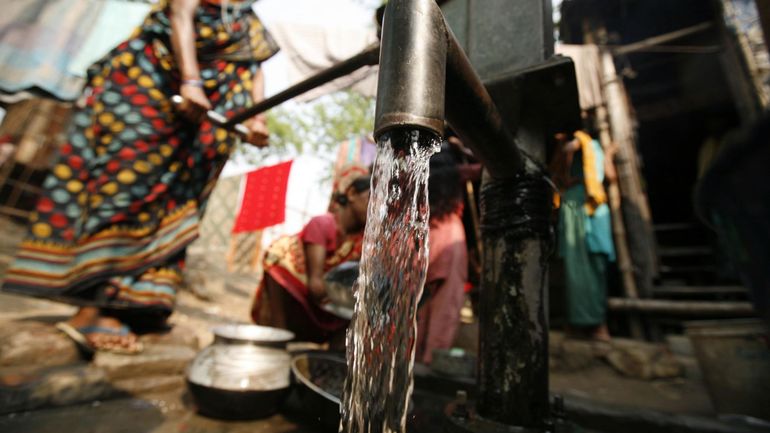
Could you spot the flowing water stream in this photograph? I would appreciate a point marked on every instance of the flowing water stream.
(381, 337)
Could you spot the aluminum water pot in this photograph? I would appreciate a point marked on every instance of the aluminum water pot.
(243, 374)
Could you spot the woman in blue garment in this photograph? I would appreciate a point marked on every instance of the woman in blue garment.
(585, 230)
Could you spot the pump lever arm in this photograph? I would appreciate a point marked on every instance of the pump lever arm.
(219, 120)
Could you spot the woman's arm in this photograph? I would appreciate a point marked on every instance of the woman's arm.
(562, 162)
(183, 37)
(258, 87)
(195, 102)
(570, 148)
(315, 256)
(258, 124)
(315, 239)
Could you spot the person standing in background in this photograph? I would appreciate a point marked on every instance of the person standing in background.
(438, 316)
(579, 168)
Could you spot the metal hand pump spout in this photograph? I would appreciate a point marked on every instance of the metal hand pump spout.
(424, 73)
(425, 78)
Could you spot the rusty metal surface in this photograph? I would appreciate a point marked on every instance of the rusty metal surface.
(422, 70)
(513, 353)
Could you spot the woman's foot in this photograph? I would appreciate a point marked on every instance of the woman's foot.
(601, 333)
(597, 333)
(103, 332)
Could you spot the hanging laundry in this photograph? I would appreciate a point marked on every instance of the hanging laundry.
(264, 198)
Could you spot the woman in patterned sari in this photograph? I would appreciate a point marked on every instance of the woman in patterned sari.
(126, 194)
(292, 289)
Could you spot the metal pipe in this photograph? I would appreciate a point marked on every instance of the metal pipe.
(368, 57)
(427, 71)
(412, 80)
(475, 118)
(513, 320)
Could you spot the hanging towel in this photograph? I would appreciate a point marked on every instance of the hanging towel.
(264, 199)
(595, 195)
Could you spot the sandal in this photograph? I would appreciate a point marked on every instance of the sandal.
(78, 336)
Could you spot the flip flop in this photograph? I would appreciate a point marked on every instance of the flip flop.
(78, 335)
(123, 330)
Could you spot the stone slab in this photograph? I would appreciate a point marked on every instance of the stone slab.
(14, 307)
(25, 343)
(179, 335)
(158, 369)
(150, 384)
(155, 360)
(575, 355)
(640, 360)
(567, 354)
(57, 387)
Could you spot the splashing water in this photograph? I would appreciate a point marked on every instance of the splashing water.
(381, 337)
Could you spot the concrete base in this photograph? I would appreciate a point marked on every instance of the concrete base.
(25, 343)
(29, 390)
(155, 360)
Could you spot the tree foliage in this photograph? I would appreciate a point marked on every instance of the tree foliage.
(314, 127)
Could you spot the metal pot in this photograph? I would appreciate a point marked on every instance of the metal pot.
(243, 374)
(319, 384)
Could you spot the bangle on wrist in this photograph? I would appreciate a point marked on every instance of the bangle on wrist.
(197, 82)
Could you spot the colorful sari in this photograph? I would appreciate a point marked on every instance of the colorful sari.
(125, 197)
(284, 265)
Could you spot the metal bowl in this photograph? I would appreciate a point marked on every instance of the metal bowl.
(320, 379)
(252, 334)
(339, 283)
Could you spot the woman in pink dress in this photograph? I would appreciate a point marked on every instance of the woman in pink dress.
(292, 291)
(438, 317)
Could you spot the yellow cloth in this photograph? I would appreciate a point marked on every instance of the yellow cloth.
(556, 199)
(595, 194)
